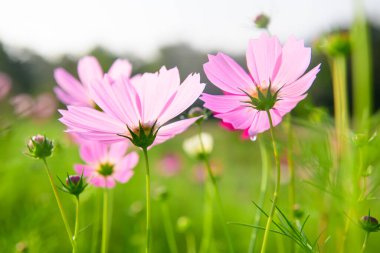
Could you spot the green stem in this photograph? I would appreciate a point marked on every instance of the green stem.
(263, 191)
(292, 183)
(148, 207)
(95, 232)
(190, 242)
(168, 227)
(207, 218)
(277, 187)
(365, 242)
(105, 221)
(76, 229)
(63, 215)
(216, 193)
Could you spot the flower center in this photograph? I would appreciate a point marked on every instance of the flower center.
(106, 169)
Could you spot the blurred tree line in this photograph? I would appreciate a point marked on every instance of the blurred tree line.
(32, 73)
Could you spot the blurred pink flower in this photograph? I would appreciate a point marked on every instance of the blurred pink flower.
(70, 91)
(22, 105)
(5, 85)
(170, 164)
(273, 70)
(106, 164)
(45, 105)
(144, 105)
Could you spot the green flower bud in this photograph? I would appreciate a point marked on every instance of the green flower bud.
(40, 147)
(262, 21)
(369, 223)
(297, 211)
(74, 185)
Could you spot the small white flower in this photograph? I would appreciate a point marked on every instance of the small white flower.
(193, 145)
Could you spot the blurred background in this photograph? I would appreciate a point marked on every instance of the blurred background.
(38, 36)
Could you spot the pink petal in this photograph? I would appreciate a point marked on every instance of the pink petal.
(118, 150)
(261, 122)
(120, 69)
(71, 86)
(223, 103)
(170, 130)
(263, 58)
(123, 169)
(187, 93)
(93, 151)
(91, 124)
(89, 70)
(154, 91)
(300, 86)
(287, 104)
(226, 74)
(241, 118)
(294, 62)
(109, 98)
(101, 181)
(87, 170)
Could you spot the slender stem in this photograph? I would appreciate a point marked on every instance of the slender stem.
(207, 218)
(76, 229)
(105, 221)
(190, 242)
(168, 227)
(216, 193)
(263, 191)
(292, 183)
(148, 207)
(365, 242)
(95, 232)
(63, 215)
(277, 186)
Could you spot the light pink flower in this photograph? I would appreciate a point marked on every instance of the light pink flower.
(71, 91)
(106, 164)
(170, 164)
(23, 105)
(5, 85)
(45, 106)
(272, 68)
(150, 101)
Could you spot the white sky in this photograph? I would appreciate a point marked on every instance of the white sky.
(54, 27)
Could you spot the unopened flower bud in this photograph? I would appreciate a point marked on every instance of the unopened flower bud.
(183, 224)
(297, 211)
(196, 112)
(262, 21)
(40, 147)
(74, 185)
(369, 223)
(335, 44)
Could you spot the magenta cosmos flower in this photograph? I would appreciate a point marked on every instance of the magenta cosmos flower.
(138, 110)
(106, 164)
(71, 91)
(275, 83)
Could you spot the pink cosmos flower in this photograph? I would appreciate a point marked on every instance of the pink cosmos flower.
(138, 110)
(106, 164)
(71, 91)
(275, 83)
